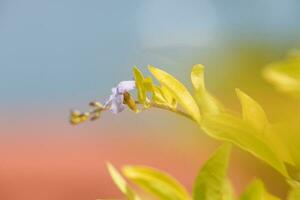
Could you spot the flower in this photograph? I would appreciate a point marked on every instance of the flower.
(115, 103)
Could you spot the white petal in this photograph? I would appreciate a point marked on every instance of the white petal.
(114, 90)
(125, 86)
(117, 104)
(111, 97)
(115, 101)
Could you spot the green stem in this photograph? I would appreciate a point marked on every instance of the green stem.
(176, 111)
(152, 105)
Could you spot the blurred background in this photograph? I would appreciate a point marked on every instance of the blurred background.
(61, 54)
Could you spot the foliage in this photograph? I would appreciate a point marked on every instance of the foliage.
(211, 182)
(275, 144)
(121, 183)
(156, 182)
(285, 74)
(256, 191)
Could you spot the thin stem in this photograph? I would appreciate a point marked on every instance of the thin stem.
(180, 112)
(151, 105)
(96, 110)
(164, 107)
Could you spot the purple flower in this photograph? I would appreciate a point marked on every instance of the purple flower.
(116, 99)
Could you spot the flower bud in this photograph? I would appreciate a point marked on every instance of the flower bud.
(77, 117)
(128, 100)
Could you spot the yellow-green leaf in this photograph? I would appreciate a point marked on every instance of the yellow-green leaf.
(121, 183)
(170, 100)
(289, 134)
(211, 180)
(294, 194)
(139, 78)
(148, 84)
(228, 191)
(285, 74)
(230, 128)
(179, 92)
(157, 94)
(257, 191)
(255, 116)
(206, 102)
(277, 138)
(156, 182)
(252, 112)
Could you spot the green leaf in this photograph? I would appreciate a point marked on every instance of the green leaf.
(156, 91)
(158, 96)
(121, 183)
(252, 112)
(139, 78)
(255, 116)
(228, 192)
(230, 128)
(179, 92)
(206, 102)
(294, 194)
(277, 138)
(257, 191)
(287, 141)
(285, 74)
(148, 84)
(211, 179)
(156, 182)
(289, 134)
(170, 100)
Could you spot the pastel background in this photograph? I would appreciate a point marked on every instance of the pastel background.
(60, 54)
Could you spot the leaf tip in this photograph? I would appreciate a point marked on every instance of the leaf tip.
(110, 167)
(127, 170)
(135, 68)
(238, 91)
(151, 67)
(198, 67)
